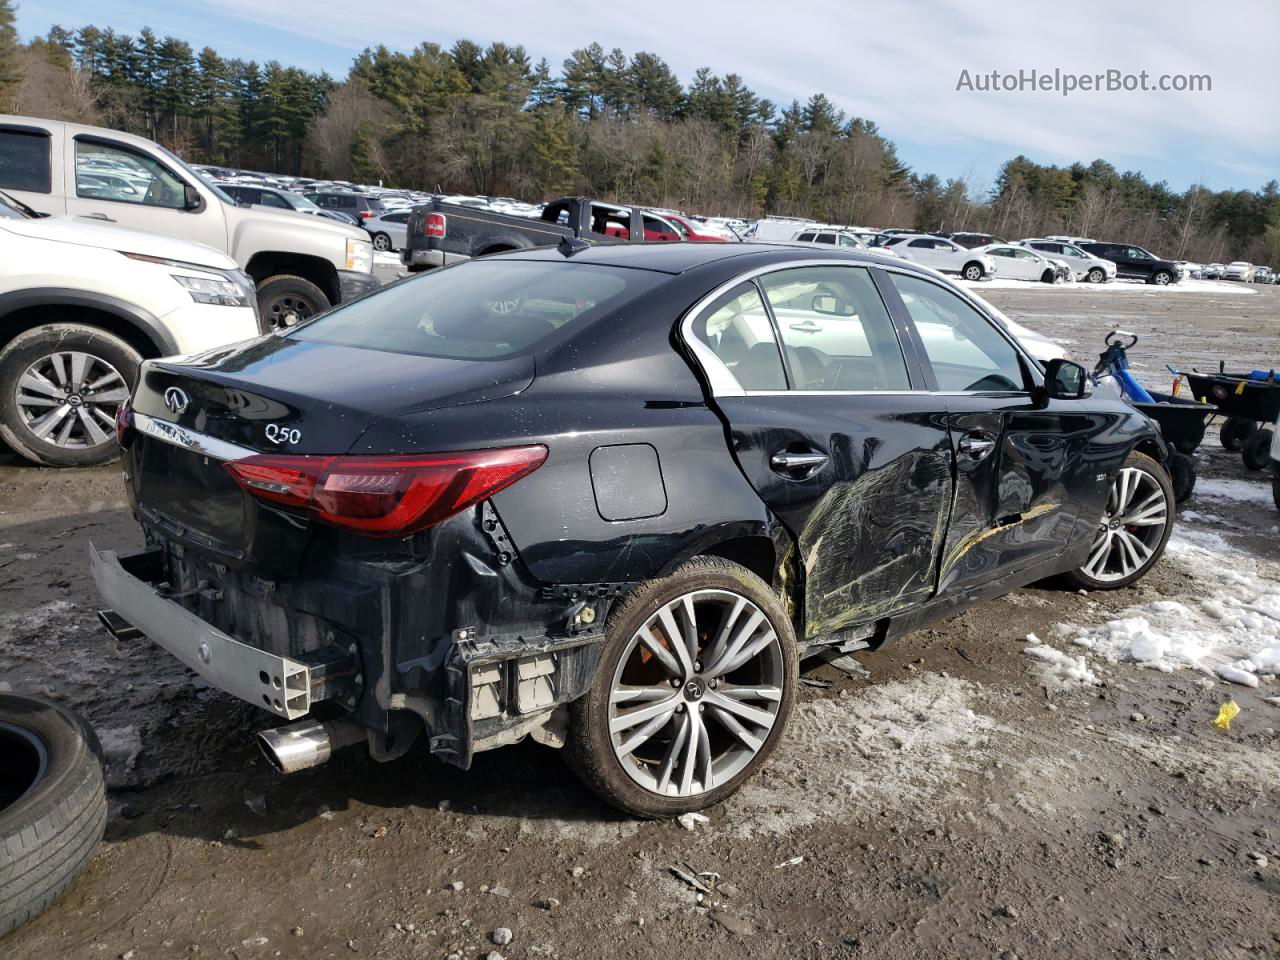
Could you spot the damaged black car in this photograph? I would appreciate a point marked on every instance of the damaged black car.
(609, 499)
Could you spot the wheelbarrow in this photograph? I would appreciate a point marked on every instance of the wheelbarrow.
(1251, 402)
(1182, 421)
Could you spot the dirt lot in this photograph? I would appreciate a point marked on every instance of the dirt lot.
(958, 799)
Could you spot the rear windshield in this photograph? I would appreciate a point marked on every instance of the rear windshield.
(480, 310)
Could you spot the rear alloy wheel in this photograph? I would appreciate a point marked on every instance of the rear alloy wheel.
(972, 271)
(693, 689)
(1235, 432)
(1134, 529)
(1096, 275)
(286, 300)
(64, 384)
(381, 242)
(1257, 450)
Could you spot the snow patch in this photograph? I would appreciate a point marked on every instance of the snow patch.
(1244, 491)
(1060, 670)
(1230, 629)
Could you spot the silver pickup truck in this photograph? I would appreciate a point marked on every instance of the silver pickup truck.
(300, 265)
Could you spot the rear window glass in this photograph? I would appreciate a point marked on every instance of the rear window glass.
(24, 161)
(480, 310)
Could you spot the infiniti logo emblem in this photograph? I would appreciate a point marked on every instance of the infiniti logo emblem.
(176, 400)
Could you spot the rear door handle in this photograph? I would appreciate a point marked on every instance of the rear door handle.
(977, 446)
(797, 466)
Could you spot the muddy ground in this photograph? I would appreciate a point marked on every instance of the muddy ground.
(950, 802)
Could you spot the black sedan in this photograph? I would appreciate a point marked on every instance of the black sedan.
(609, 498)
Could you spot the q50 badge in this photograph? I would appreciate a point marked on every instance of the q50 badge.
(283, 435)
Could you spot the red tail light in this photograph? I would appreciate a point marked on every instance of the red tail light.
(124, 423)
(366, 214)
(434, 225)
(391, 496)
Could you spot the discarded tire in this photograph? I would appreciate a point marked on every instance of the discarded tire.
(53, 804)
(1236, 431)
(1182, 471)
(1257, 449)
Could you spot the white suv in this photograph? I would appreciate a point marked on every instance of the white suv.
(81, 305)
(942, 254)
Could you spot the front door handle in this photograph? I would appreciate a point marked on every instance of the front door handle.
(797, 465)
(806, 326)
(98, 216)
(977, 446)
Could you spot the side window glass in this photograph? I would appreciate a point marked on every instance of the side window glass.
(847, 241)
(827, 238)
(921, 243)
(270, 199)
(24, 161)
(108, 172)
(805, 238)
(737, 330)
(835, 329)
(967, 353)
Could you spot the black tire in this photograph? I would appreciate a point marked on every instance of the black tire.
(1235, 432)
(53, 804)
(1275, 491)
(1162, 278)
(1047, 277)
(1257, 451)
(973, 271)
(286, 300)
(1079, 579)
(1096, 275)
(1182, 471)
(382, 242)
(18, 420)
(590, 752)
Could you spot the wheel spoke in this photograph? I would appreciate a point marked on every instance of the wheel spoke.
(42, 426)
(31, 400)
(80, 364)
(119, 395)
(1101, 550)
(739, 641)
(659, 649)
(102, 415)
(696, 732)
(59, 362)
(749, 651)
(110, 377)
(743, 692)
(673, 753)
(639, 715)
(96, 434)
(37, 383)
(644, 734)
(730, 723)
(761, 718)
(65, 433)
(1153, 506)
(635, 694)
(717, 646)
(675, 637)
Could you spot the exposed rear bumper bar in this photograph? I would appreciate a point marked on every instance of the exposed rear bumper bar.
(278, 684)
(429, 258)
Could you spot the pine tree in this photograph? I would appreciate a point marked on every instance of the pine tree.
(9, 74)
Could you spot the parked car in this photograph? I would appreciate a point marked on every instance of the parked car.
(443, 232)
(1261, 274)
(773, 229)
(1084, 265)
(972, 241)
(1238, 270)
(354, 204)
(82, 303)
(300, 268)
(701, 231)
(390, 230)
(276, 198)
(1212, 271)
(639, 590)
(1134, 262)
(942, 254)
(830, 237)
(1019, 263)
(655, 228)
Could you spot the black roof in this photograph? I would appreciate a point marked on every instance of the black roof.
(679, 257)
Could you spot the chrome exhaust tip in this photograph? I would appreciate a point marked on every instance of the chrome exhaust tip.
(310, 743)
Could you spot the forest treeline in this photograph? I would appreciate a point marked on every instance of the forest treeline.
(490, 120)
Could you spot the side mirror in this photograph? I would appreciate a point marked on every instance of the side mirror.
(191, 199)
(1064, 380)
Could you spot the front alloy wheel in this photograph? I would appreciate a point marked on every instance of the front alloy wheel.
(1134, 528)
(1096, 275)
(973, 272)
(694, 686)
(69, 399)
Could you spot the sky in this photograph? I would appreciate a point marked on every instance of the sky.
(896, 62)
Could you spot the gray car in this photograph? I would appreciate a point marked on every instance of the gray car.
(389, 231)
(1083, 264)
